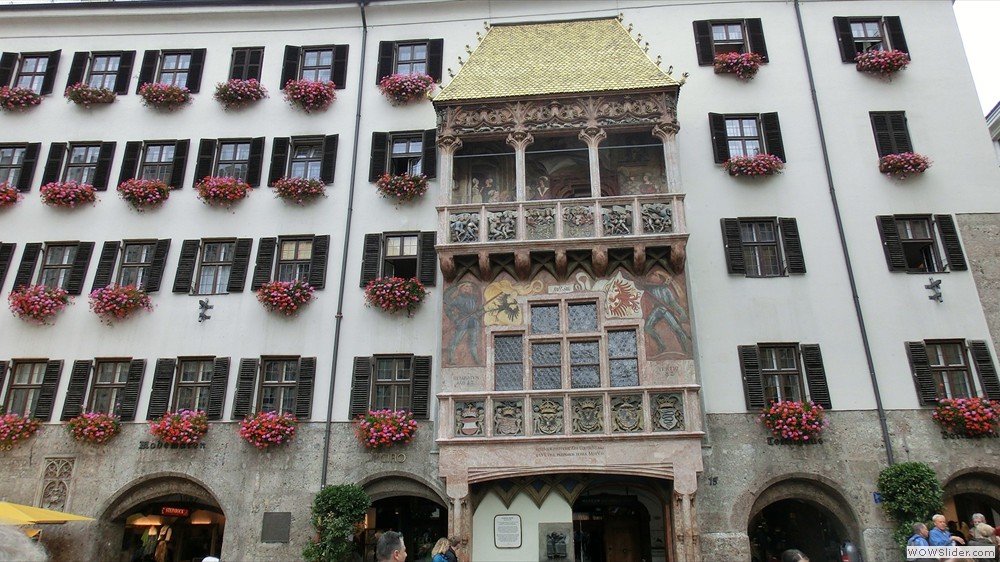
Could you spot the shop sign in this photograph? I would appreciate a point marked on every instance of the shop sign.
(175, 511)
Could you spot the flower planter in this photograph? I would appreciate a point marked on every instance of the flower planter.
(222, 192)
(37, 303)
(404, 88)
(143, 194)
(68, 194)
(94, 427)
(882, 63)
(402, 188)
(237, 94)
(18, 99)
(15, 428)
(268, 429)
(796, 422)
(85, 96)
(299, 190)
(9, 195)
(116, 303)
(379, 429)
(182, 426)
(754, 166)
(743, 65)
(971, 417)
(903, 165)
(310, 96)
(164, 97)
(285, 297)
(395, 294)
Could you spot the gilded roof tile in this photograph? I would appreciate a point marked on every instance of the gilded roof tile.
(550, 58)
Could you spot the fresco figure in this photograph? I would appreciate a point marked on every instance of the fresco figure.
(463, 307)
(663, 296)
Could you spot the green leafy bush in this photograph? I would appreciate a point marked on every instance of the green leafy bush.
(337, 512)
(910, 492)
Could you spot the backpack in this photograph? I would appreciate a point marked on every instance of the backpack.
(439, 558)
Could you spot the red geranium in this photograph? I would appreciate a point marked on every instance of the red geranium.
(402, 187)
(403, 88)
(972, 417)
(18, 99)
(299, 190)
(68, 194)
(794, 421)
(222, 191)
(182, 426)
(143, 194)
(15, 428)
(285, 297)
(757, 165)
(116, 302)
(237, 94)
(164, 97)
(9, 195)
(268, 429)
(393, 294)
(94, 427)
(382, 428)
(84, 95)
(903, 165)
(882, 63)
(743, 65)
(37, 303)
(310, 96)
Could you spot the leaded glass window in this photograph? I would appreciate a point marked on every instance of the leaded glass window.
(623, 358)
(546, 372)
(585, 364)
(508, 360)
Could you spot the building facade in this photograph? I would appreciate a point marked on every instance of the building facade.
(608, 311)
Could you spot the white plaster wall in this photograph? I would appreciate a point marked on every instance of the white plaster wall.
(554, 510)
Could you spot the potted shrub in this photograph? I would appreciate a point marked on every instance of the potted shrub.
(143, 194)
(68, 194)
(37, 303)
(285, 297)
(310, 96)
(237, 94)
(15, 428)
(268, 429)
(901, 166)
(743, 65)
(379, 429)
(182, 426)
(299, 190)
(402, 187)
(164, 97)
(94, 427)
(882, 63)
(797, 422)
(83, 95)
(18, 99)
(971, 417)
(404, 88)
(116, 302)
(222, 191)
(9, 195)
(394, 294)
(754, 166)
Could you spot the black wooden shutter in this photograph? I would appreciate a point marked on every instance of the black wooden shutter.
(206, 158)
(421, 387)
(256, 161)
(772, 135)
(217, 388)
(361, 386)
(157, 266)
(339, 73)
(846, 39)
(6, 256)
(26, 269)
(703, 42)
(130, 161)
(53, 166)
(279, 159)
(733, 245)
(883, 136)
(435, 59)
(238, 64)
(245, 379)
(720, 138)
(74, 284)
(163, 380)
(184, 276)
(428, 164)
(3, 372)
(31, 151)
(241, 265)
(47, 393)
(49, 80)
(924, 379)
(952, 245)
(317, 265)
(370, 258)
(79, 376)
(987, 370)
(8, 62)
(181, 148)
(755, 33)
(812, 360)
(427, 273)
(304, 388)
(329, 163)
(891, 243)
(380, 146)
(900, 133)
(133, 384)
(106, 264)
(147, 71)
(102, 173)
(195, 70)
(255, 63)
(265, 262)
(894, 29)
(290, 68)
(753, 386)
(124, 75)
(793, 246)
(386, 60)
(77, 68)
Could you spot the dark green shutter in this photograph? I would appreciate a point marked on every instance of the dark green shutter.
(900, 133)
(26, 269)
(102, 172)
(370, 258)
(796, 263)
(77, 68)
(3, 372)
(733, 245)
(772, 135)
(195, 70)
(157, 266)
(952, 244)
(339, 71)
(304, 388)
(245, 380)
(217, 388)
(184, 276)
(987, 370)
(290, 68)
(133, 384)
(206, 159)
(265, 262)
(130, 161)
(435, 59)
(720, 138)
(845, 37)
(755, 34)
(703, 42)
(361, 381)
(329, 163)
(891, 243)
(380, 147)
(427, 274)
(317, 265)
(812, 360)
(78, 271)
(279, 159)
(47, 393)
(6, 256)
(49, 80)
(79, 376)
(238, 64)
(255, 163)
(922, 375)
(241, 265)
(421, 387)
(386, 60)
(106, 264)
(894, 29)
(163, 381)
(124, 76)
(54, 164)
(753, 386)
(8, 63)
(181, 148)
(147, 70)
(28, 165)
(428, 163)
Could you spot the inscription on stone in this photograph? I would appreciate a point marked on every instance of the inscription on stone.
(388, 457)
(464, 381)
(145, 445)
(947, 435)
(776, 441)
(562, 451)
(560, 289)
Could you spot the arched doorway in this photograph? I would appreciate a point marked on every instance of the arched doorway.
(407, 506)
(973, 492)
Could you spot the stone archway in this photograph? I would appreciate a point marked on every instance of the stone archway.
(407, 504)
(975, 490)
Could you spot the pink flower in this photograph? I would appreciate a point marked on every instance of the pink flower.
(114, 303)
(83, 95)
(164, 97)
(743, 65)
(9, 195)
(904, 164)
(18, 99)
(402, 187)
(222, 191)
(285, 297)
(882, 63)
(37, 303)
(237, 94)
(67, 194)
(403, 88)
(310, 96)
(757, 165)
(299, 190)
(143, 194)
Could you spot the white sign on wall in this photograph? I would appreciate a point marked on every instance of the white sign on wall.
(507, 531)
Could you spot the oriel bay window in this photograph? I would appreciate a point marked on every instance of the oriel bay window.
(485, 172)
(943, 369)
(863, 34)
(88, 163)
(34, 71)
(109, 70)
(399, 382)
(783, 371)
(155, 160)
(275, 384)
(104, 385)
(213, 266)
(17, 164)
(63, 265)
(561, 162)
(715, 37)
(630, 164)
(189, 383)
(32, 387)
(139, 262)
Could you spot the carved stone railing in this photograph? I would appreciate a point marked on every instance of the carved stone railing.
(649, 411)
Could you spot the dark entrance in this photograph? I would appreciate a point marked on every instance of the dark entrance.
(797, 524)
(175, 528)
(967, 504)
(421, 521)
(611, 528)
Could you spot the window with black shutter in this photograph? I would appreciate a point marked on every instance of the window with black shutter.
(34, 71)
(410, 57)
(111, 70)
(400, 254)
(290, 258)
(155, 160)
(173, 68)
(745, 135)
(238, 158)
(397, 382)
(891, 134)
(138, 262)
(762, 246)
(63, 265)
(32, 387)
(88, 163)
(6, 257)
(213, 266)
(303, 157)
(103, 385)
(282, 384)
(410, 152)
(863, 34)
(716, 37)
(246, 63)
(325, 63)
(17, 164)
(921, 243)
(944, 369)
(776, 372)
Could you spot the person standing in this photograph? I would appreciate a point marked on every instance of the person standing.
(439, 549)
(450, 554)
(919, 538)
(390, 548)
(939, 535)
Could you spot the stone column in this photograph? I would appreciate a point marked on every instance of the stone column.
(667, 132)
(520, 141)
(446, 166)
(460, 515)
(593, 137)
(685, 518)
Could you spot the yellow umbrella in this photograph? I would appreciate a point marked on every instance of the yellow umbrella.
(17, 514)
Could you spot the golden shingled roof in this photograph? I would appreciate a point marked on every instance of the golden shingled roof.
(554, 58)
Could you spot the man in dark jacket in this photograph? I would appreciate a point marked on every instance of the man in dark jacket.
(450, 553)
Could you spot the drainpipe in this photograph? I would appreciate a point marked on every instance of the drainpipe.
(843, 241)
(347, 239)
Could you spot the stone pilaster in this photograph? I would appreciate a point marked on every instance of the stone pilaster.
(593, 137)
(667, 132)
(520, 141)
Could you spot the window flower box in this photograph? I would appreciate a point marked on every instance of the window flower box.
(18, 99)
(94, 427)
(882, 63)
(9, 195)
(395, 294)
(268, 429)
(85, 96)
(310, 96)
(402, 188)
(143, 194)
(753, 166)
(743, 65)
(115, 303)
(903, 165)
(796, 422)
(972, 417)
(380, 429)
(222, 191)
(15, 428)
(285, 297)
(68, 194)
(164, 97)
(37, 303)
(404, 88)
(182, 426)
(237, 94)
(299, 190)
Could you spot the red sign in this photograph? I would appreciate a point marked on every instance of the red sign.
(175, 511)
